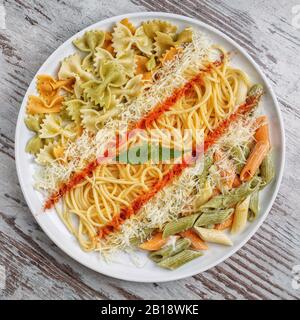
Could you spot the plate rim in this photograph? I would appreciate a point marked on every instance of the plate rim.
(172, 276)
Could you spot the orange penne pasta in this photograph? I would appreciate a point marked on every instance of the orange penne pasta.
(236, 182)
(262, 133)
(226, 224)
(155, 243)
(255, 159)
(196, 242)
(216, 192)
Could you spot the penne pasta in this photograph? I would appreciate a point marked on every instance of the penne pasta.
(253, 206)
(180, 225)
(213, 217)
(179, 259)
(203, 196)
(212, 235)
(196, 242)
(155, 243)
(267, 171)
(233, 196)
(262, 133)
(225, 224)
(254, 161)
(240, 216)
(170, 250)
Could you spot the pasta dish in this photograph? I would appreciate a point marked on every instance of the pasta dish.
(147, 138)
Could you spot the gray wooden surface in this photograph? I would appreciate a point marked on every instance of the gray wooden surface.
(34, 267)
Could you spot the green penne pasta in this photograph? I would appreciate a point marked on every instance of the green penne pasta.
(267, 171)
(170, 250)
(179, 225)
(240, 216)
(135, 241)
(253, 206)
(233, 196)
(213, 217)
(256, 91)
(203, 196)
(208, 161)
(179, 259)
(239, 155)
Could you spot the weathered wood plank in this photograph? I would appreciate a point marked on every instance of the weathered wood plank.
(35, 267)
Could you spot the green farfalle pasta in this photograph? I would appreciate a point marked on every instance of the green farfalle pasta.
(88, 43)
(99, 91)
(71, 68)
(126, 60)
(151, 27)
(74, 106)
(53, 127)
(33, 122)
(164, 41)
(93, 120)
(123, 40)
(34, 145)
(45, 155)
(131, 90)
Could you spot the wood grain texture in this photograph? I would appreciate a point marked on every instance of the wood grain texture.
(35, 267)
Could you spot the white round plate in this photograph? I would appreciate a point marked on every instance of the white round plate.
(123, 267)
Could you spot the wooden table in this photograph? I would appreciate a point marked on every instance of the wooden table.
(35, 268)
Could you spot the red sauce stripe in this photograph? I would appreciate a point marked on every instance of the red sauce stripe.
(174, 172)
(143, 123)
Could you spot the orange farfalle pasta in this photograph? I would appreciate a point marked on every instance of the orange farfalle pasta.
(155, 243)
(196, 242)
(48, 87)
(141, 67)
(108, 43)
(170, 55)
(259, 151)
(125, 22)
(38, 105)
